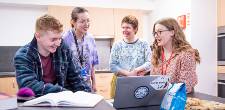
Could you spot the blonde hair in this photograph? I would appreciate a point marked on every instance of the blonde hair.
(179, 42)
(48, 23)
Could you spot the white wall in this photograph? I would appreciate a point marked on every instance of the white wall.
(18, 23)
(204, 31)
(170, 8)
(27, 11)
(128, 4)
(201, 33)
(147, 31)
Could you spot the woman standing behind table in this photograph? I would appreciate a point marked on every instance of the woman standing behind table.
(173, 55)
(83, 45)
(131, 56)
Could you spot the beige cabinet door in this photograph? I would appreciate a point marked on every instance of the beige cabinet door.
(63, 13)
(119, 14)
(221, 69)
(103, 84)
(8, 85)
(101, 19)
(221, 12)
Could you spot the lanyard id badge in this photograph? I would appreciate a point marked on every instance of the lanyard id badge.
(80, 53)
(83, 71)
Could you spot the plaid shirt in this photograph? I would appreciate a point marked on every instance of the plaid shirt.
(29, 72)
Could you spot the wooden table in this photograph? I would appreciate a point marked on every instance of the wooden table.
(194, 95)
(103, 105)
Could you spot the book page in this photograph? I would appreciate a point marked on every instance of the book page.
(66, 98)
(45, 100)
(81, 99)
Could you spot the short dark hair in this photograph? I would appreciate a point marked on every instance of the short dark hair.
(130, 19)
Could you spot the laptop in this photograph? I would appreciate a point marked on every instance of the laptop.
(140, 91)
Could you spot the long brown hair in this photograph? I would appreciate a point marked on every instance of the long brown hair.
(179, 42)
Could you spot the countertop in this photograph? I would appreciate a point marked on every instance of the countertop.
(102, 71)
(7, 74)
(12, 74)
(194, 95)
(206, 97)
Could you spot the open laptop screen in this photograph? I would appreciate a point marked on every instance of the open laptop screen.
(140, 91)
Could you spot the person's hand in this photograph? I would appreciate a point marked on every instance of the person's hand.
(94, 89)
(132, 73)
(141, 73)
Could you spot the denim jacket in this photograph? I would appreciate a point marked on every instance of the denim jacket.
(29, 72)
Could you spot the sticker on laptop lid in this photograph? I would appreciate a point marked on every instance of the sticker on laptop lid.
(141, 92)
(160, 83)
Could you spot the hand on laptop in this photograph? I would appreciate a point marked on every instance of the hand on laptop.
(126, 73)
(132, 73)
(138, 72)
(141, 73)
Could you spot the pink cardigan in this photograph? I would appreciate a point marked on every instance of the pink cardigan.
(182, 68)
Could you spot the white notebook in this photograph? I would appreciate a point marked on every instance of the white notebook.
(66, 98)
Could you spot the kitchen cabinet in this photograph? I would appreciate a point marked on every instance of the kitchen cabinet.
(103, 84)
(220, 13)
(220, 69)
(62, 13)
(8, 85)
(104, 22)
(101, 19)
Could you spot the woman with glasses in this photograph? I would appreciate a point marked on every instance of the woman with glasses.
(173, 55)
(83, 45)
(130, 56)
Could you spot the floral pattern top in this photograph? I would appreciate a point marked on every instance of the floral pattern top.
(129, 56)
(181, 68)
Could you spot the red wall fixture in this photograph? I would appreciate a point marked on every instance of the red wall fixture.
(182, 21)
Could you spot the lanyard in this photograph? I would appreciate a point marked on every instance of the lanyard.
(80, 53)
(167, 62)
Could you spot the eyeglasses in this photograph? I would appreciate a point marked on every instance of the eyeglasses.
(158, 32)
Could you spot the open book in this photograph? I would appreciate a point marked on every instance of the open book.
(66, 98)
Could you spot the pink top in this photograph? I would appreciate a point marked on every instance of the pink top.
(181, 68)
